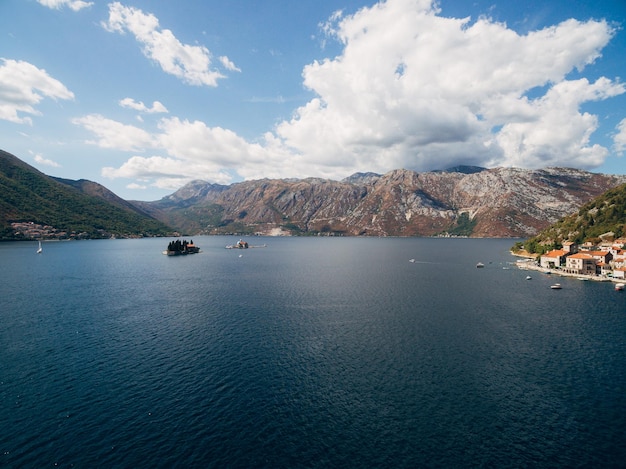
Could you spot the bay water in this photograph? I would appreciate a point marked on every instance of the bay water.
(308, 352)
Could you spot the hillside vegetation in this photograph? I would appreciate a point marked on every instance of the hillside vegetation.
(29, 196)
(603, 217)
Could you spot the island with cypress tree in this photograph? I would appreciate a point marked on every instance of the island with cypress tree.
(180, 248)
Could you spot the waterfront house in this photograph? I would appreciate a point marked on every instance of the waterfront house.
(581, 263)
(570, 247)
(554, 258)
(619, 259)
(601, 256)
(619, 272)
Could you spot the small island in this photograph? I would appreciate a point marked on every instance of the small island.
(241, 244)
(180, 248)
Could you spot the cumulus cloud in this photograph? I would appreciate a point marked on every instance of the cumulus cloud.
(47, 162)
(22, 87)
(157, 107)
(113, 134)
(619, 139)
(190, 63)
(74, 5)
(415, 89)
(228, 64)
(194, 151)
(411, 88)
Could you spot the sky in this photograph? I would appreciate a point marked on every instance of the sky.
(144, 96)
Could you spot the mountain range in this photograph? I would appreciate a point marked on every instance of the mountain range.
(462, 201)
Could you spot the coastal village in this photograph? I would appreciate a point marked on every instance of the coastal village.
(604, 261)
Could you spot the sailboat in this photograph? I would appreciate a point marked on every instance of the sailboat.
(40, 250)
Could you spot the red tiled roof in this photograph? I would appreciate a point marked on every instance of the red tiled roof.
(555, 253)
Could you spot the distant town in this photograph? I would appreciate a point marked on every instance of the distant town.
(36, 231)
(603, 261)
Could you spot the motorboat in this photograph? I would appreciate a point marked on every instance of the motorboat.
(619, 286)
(556, 286)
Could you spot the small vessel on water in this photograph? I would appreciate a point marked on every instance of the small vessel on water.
(179, 248)
(619, 286)
(40, 250)
(556, 286)
(480, 265)
(528, 277)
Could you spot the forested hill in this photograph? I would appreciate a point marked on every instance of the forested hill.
(602, 217)
(66, 208)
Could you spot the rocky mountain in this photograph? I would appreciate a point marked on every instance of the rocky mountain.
(34, 205)
(462, 201)
(467, 201)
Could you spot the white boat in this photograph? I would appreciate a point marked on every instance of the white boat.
(556, 286)
(528, 277)
(619, 286)
(480, 265)
(412, 260)
(40, 250)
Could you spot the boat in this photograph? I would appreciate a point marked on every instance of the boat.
(556, 286)
(480, 265)
(181, 248)
(528, 277)
(412, 261)
(619, 286)
(40, 250)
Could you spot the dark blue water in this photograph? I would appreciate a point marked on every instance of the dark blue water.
(334, 352)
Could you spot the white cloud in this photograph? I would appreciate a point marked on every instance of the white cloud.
(411, 89)
(228, 64)
(113, 134)
(41, 160)
(418, 90)
(619, 139)
(190, 63)
(22, 87)
(554, 132)
(75, 5)
(135, 186)
(157, 107)
(194, 151)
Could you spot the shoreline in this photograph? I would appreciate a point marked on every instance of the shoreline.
(596, 278)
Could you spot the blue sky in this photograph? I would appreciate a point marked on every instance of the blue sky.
(144, 96)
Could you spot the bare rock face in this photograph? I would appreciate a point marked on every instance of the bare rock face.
(500, 202)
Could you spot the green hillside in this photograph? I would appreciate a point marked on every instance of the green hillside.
(602, 216)
(29, 196)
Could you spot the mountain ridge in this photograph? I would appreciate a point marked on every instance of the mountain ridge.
(479, 202)
(63, 208)
(462, 201)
